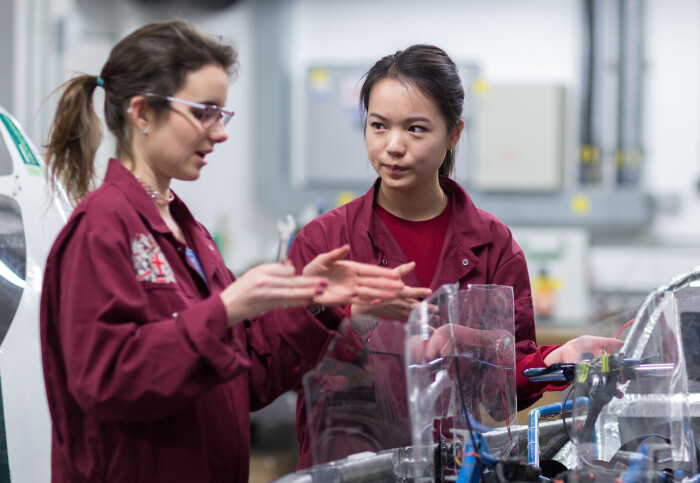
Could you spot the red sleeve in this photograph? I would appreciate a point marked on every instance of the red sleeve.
(283, 345)
(513, 272)
(529, 392)
(123, 363)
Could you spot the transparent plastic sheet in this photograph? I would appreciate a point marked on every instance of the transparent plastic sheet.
(460, 356)
(631, 409)
(356, 395)
(686, 288)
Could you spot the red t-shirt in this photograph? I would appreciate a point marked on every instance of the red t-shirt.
(421, 241)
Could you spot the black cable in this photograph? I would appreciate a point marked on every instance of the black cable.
(563, 410)
(466, 412)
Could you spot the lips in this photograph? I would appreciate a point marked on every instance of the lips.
(201, 155)
(394, 169)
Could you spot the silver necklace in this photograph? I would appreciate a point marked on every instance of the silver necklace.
(157, 197)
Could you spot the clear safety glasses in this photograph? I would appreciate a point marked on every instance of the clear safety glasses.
(207, 114)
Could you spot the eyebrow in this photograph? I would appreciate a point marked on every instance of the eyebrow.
(407, 120)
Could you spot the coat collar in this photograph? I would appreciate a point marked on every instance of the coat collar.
(467, 230)
(465, 219)
(203, 245)
(125, 180)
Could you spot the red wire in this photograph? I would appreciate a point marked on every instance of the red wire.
(617, 336)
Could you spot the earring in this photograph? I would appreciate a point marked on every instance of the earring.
(144, 131)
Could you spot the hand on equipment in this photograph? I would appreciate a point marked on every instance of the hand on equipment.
(572, 350)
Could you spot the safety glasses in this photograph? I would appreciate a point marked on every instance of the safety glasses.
(207, 114)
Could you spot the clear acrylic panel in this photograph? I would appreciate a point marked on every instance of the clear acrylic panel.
(460, 356)
(632, 408)
(356, 395)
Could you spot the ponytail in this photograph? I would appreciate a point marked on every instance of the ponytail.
(74, 137)
(154, 58)
(448, 163)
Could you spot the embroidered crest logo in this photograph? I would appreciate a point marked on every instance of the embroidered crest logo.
(149, 262)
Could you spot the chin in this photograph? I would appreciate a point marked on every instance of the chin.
(395, 183)
(190, 176)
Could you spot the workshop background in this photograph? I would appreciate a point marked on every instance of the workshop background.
(583, 130)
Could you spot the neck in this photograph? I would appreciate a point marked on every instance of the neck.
(143, 171)
(415, 205)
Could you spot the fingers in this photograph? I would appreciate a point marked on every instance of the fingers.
(598, 345)
(378, 288)
(276, 269)
(606, 344)
(293, 296)
(438, 346)
(366, 270)
(405, 269)
(380, 283)
(333, 256)
(415, 292)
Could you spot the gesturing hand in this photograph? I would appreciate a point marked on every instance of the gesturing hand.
(352, 282)
(267, 287)
(400, 307)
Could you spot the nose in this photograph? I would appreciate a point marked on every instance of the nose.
(395, 144)
(217, 133)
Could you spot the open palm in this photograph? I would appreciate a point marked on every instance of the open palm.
(352, 282)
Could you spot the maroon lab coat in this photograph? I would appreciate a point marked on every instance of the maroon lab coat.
(478, 249)
(145, 381)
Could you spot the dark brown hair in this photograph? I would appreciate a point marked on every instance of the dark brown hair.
(433, 73)
(155, 58)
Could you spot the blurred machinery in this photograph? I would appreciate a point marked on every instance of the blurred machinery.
(631, 416)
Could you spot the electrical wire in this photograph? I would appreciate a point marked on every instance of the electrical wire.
(563, 410)
(465, 411)
(621, 329)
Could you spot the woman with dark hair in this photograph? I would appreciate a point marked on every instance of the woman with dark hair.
(153, 352)
(412, 103)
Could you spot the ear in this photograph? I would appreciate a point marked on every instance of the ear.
(455, 134)
(139, 113)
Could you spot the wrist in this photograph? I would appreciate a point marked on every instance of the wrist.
(553, 357)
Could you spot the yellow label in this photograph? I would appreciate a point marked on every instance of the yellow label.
(583, 372)
(605, 363)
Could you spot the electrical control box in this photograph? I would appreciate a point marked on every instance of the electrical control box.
(518, 137)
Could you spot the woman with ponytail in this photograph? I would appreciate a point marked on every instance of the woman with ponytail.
(153, 352)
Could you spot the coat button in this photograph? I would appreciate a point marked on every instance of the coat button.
(465, 262)
(384, 262)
